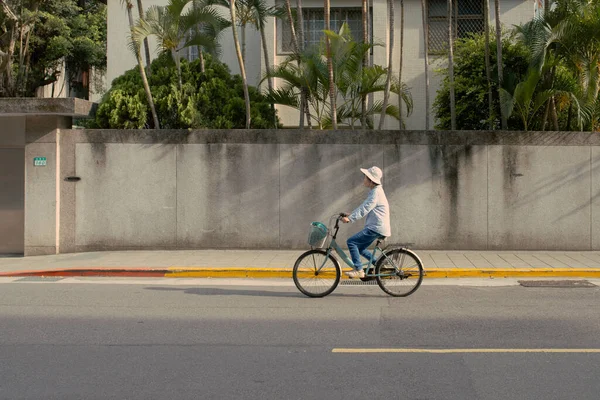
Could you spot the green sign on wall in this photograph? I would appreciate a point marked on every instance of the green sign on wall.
(39, 161)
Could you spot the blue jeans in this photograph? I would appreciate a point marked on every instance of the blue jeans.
(358, 245)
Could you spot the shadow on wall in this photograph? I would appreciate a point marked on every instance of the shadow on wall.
(318, 181)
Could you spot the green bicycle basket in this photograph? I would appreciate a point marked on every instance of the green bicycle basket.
(317, 234)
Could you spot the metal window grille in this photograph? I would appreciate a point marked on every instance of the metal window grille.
(314, 24)
(190, 53)
(467, 18)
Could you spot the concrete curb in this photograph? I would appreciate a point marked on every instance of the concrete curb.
(250, 272)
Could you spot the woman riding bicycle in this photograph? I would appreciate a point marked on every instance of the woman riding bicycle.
(377, 225)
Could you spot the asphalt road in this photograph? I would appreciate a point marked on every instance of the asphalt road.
(120, 339)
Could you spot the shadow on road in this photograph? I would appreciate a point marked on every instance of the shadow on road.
(212, 291)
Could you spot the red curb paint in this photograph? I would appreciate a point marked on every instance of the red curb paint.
(140, 273)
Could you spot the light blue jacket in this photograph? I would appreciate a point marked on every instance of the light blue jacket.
(377, 210)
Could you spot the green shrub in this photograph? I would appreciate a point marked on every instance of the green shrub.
(213, 99)
(470, 83)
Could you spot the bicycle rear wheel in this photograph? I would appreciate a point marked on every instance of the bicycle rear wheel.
(399, 272)
(316, 274)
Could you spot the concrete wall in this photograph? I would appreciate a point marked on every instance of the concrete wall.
(12, 185)
(261, 189)
(30, 196)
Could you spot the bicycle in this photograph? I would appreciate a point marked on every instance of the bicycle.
(317, 272)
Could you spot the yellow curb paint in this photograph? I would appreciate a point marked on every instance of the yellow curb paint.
(447, 351)
(227, 272)
(252, 272)
(512, 272)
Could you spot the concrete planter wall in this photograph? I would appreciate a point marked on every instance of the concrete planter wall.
(261, 189)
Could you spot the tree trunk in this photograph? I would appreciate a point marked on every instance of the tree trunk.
(488, 68)
(240, 61)
(176, 58)
(426, 57)
(26, 52)
(244, 42)
(304, 95)
(499, 57)
(330, 67)
(288, 8)
(569, 116)
(199, 48)
(138, 55)
(451, 68)
(146, 46)
(388, 81)
(365, 27)
(6, 58)
(263, 38)
(6, 62)
(545, 118)
(554, 114)
(300, 13)
(401, 121)
(201, 57)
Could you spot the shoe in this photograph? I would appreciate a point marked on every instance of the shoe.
(356, 274)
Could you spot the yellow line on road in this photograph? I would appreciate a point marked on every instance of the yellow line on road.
(444, 351)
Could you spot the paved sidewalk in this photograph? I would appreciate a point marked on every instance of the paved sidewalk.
(279, 263)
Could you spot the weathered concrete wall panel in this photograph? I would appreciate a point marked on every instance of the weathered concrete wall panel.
(261, 189)
(438, 195)
(12, 200)
(40, 200)
(228, 195)
(539, 197)
(12, 132)
(126, 197)
(595, 197)
(318, 181)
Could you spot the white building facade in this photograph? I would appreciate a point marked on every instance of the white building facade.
(469, 18)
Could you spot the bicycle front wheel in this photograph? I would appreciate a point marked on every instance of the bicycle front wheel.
(316, 274)
(399, 272)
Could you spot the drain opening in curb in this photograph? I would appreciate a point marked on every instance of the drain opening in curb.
(567, 283)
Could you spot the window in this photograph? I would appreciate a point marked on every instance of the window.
(314, 24)
(191, 53)
(467, 18)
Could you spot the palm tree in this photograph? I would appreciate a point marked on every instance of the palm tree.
(238, 52)
(146, 46)
(136, 49)
(503, 116)
(296, 45)
(400, 64)
(386, 92)
(365, 31)
(529, 96)
(352, 83)
(488, 69)
(261, 11)
(172, 26)
(243, 16)
(568, 36)
(330, 65)
(196, 4)
(426, 56)
(304, 109)
(451, 68)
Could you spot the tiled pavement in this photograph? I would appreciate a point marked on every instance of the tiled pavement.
(251, 259)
